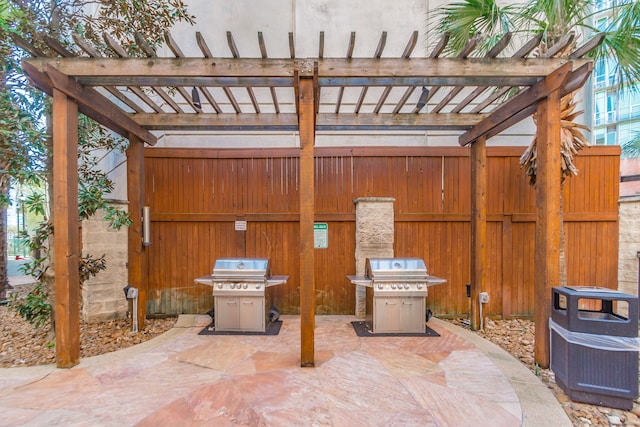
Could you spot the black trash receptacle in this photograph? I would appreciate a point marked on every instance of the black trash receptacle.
(594, 347)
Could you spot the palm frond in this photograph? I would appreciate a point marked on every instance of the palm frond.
(631, 148)
(622, 44)
(467, 18)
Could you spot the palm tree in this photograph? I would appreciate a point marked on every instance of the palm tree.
(631, 148)
(553, 19)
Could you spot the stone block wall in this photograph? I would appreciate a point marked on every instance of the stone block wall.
(102, 295)
(629, 245)
(374, 238)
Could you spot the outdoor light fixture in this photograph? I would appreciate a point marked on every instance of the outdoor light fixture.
(195, 97)
(146, 226)
(423, 100)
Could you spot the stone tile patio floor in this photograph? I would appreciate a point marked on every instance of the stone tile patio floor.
(185, 379)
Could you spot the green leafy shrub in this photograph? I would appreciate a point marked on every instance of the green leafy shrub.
(34, 307)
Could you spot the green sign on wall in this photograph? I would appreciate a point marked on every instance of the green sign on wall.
(320, 235)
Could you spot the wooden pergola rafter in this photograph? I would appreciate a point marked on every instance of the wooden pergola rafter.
(135, 95)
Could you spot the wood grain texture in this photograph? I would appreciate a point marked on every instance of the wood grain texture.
(431, 186)
(307, 209)
(66, 245)
(478, 226)
(547, 251)
(137, 254)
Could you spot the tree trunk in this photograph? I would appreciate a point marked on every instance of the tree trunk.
(4, 190)
(4, 279)
(48, 279)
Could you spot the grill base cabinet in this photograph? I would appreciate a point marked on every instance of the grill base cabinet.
(396, 292)
(238, 313)
(598, 367)
(389, 314)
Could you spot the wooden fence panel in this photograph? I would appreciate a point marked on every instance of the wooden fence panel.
(196, 195)
(279, 242)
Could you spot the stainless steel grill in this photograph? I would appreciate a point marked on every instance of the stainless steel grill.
(396, 291)
(242, 298)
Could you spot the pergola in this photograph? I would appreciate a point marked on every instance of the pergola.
(134, 95)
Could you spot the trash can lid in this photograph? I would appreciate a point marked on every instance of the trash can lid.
(593, 289)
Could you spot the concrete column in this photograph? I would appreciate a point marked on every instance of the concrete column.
(102, 296)
(374, 238)
(629, 246)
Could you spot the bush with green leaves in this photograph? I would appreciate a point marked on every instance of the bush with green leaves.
(34, 307)
(26, 123)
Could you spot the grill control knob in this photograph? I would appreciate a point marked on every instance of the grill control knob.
(258, 286)
(406, 286)
(380, 286)
(244, 286)
(233, 286)
(419, 285)
(393, 286)
(219, 285)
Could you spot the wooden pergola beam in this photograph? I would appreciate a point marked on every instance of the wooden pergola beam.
(280, 72)
(289, 121)
(573, 82)
(66, 245)
(90, 102)
(516, 105)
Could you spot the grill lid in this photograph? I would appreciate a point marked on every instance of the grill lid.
(241, 269)
(396, 269)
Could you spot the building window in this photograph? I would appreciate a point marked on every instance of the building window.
(600, 136)
(611, 135)
(628, 131)
(612, 107)
(629, 105)
(600, 108)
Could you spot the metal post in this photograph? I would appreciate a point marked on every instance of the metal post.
(24, 227)
(22, 234)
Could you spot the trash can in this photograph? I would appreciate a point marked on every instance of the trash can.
(594, 345)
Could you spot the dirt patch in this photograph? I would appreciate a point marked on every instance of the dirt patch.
(22, 345)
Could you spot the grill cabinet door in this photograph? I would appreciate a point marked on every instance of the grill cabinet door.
(227, 313)
(412, 315)
(252, 316)
(387, 314)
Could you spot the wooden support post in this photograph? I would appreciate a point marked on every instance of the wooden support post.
(307, 173)
(65, 222)
(478, 225)
(547, 256)
(137, 259)
(507, 267)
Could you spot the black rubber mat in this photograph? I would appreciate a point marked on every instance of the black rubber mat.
(272, 329)
(362, 331)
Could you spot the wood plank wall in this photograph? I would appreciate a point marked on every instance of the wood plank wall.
(196, 195)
